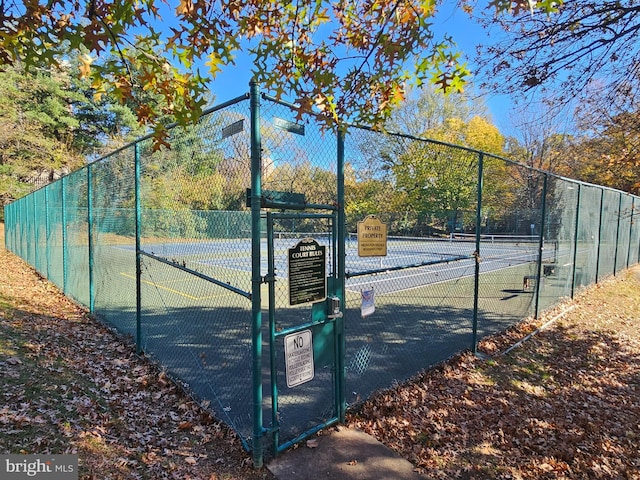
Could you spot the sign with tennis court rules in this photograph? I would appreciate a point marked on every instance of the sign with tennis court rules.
(307, 272)
(372, 237)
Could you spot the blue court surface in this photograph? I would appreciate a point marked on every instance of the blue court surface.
(409, 263)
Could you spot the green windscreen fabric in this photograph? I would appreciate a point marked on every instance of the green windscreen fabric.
(55, 250)
(559, 242)
(624, 232)
(634, 238)
(113, 229)
(609, 230)
(39, 198)
(76, 237)
(588, 236)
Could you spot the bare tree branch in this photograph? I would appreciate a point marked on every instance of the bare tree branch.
(585, 42)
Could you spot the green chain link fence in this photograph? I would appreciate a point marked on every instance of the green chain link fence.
(160, 245)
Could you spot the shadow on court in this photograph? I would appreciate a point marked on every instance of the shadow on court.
(208, 348)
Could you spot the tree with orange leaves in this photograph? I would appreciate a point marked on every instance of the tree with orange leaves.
(336, 60)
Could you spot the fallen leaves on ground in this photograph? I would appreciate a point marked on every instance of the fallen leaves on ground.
(563, 405)
(70, 385)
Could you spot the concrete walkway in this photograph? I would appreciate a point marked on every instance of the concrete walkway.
(343, 454)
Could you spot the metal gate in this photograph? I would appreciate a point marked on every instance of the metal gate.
(305, 328)
(298, 265)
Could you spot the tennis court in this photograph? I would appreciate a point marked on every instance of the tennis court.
(188, 295)
(420, 311)
(429, 259)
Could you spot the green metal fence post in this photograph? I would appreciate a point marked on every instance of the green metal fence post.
(136, 155)
(615, 255)
(34, 242)
(256, 279)
(65, 257)
(272, 331)
(47, 230)
(575, 242)
(541, 244)
(90, 237)
(633, 204)
(341, 275)
(476, 254)
(599, 234)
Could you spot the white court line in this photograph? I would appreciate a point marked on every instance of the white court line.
(349, 288)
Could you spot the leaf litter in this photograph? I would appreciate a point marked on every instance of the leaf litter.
(565, 404)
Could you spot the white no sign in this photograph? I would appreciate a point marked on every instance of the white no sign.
(298, 355)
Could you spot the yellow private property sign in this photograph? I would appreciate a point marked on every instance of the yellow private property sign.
(372, 237)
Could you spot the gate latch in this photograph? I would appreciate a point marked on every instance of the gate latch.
(333, 307)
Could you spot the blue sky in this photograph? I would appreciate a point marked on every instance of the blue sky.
(468, 35)
(234, 80)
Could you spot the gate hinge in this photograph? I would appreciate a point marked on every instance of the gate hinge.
(269, 431)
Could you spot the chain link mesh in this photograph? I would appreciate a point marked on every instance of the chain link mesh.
(113, 230)
(298, 158)
(196, 262)
(184, 294)
(423, 288)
